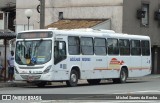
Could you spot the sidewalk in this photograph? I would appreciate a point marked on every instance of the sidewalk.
(23, 83)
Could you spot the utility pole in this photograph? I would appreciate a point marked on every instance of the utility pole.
(42, 14)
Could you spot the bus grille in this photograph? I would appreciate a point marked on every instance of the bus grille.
(36, 77)
(39, 67)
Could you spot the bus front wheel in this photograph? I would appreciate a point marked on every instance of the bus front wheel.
(72, 82)
(122, 78)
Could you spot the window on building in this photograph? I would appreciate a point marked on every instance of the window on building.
(1, 16)
(145, 19)
(135, 47)
(124, 46)
(100, 46)
(145, 48)
(87, 45)
(60, 15)
(112, 45)
(73, 45)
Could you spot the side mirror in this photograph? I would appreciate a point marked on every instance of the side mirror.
(60, 45)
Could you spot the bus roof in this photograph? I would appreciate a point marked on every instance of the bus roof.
(92, 33)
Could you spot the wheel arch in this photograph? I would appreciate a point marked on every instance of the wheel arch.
(126, 68)
(76, 68)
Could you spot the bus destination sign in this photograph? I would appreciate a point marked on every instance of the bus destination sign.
(33, 35)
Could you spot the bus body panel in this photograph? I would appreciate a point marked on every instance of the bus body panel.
(135, 67)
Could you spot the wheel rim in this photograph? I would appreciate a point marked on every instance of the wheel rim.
(73, 78)
(123, 76)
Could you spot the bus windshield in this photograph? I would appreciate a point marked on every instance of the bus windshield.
(33, 52)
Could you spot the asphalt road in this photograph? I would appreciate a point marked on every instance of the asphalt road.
(105, 91)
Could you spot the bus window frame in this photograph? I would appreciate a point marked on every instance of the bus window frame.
(136, 48)
(105, 45)
(82, 46)
(59, 57)
(116, 47)
(125, 53)
(77, 46)
(148, 54)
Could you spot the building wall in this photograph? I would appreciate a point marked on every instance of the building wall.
(68, 3)
(133, 25)
(72, 9)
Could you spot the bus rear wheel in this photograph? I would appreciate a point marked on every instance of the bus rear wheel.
(93, 81)
(72, 82)
(41, 84)
(122, 78)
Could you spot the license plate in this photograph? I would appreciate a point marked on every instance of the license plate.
(31, 78)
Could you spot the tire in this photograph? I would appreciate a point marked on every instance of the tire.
(41, 84)
(94, 81)
(73, 79)
(123, 77)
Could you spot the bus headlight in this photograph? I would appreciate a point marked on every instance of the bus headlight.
(47, 69)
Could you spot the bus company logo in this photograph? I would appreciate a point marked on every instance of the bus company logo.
(115, 61)
(115, 64)
(6, 97)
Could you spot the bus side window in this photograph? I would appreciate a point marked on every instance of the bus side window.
(62, 49)
(59, 52)
(124, 46)
(145, 47)
(100, 46)
(135, 47)
(113, 48)
(87, 45)
(74, 45)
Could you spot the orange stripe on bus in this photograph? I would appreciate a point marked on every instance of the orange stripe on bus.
(119, 69)
(138, 68)
(102, 69)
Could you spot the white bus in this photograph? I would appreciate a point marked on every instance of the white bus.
(49, 55)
